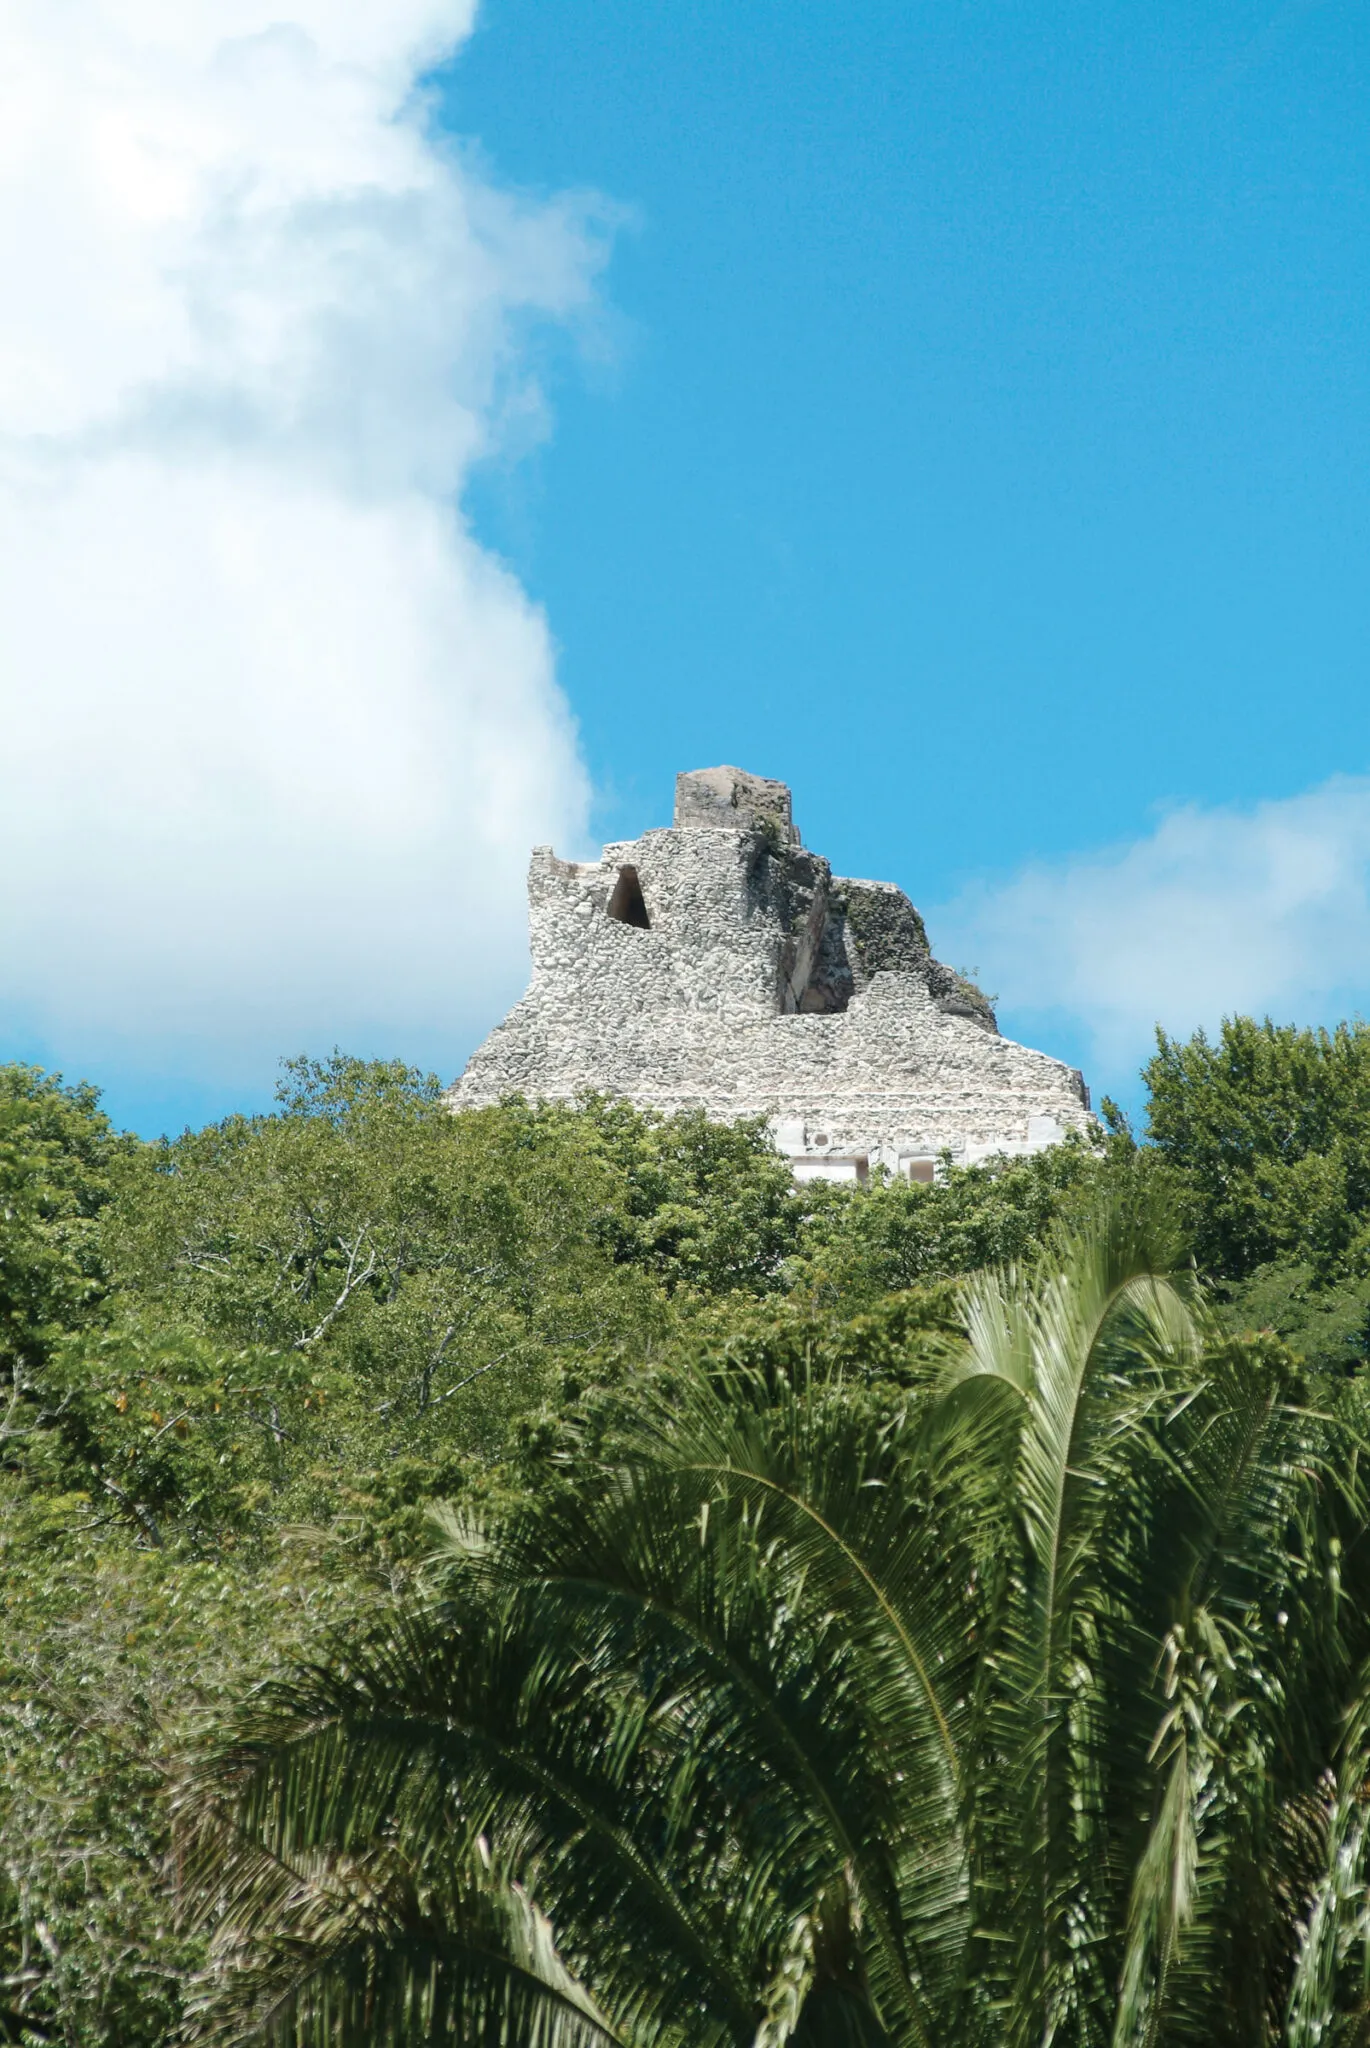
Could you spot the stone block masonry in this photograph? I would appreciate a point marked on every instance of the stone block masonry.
(719, 965)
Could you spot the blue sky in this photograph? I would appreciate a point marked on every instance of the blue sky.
(960, 412)
(987, 446)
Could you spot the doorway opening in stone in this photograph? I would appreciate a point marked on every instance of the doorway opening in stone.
(626, 906)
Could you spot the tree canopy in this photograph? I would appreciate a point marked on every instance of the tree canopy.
(240, 1371)
(1268, 1130)
(1020, 1706)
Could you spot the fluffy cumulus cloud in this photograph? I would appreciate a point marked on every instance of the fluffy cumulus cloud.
(1264, 910)
(275, 731)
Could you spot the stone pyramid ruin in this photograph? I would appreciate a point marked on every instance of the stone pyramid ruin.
(719, 965)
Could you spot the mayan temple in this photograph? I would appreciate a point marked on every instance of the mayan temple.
(719, 965)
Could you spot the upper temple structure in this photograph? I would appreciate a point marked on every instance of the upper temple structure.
(721, 966)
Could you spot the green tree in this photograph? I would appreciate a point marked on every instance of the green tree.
(860, 1243)
(442, 1273)
(1006, 1697)
(1266, 1135)
(114, 1653)
(57, 1158)
(1325, 1322)
(706, 1206)
(422, 1280)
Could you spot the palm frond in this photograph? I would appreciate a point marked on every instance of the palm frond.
(356, 1955)
(1007, 1711)
(1329, 1996)
(1087, 1348)
(442, 1730)
(811, 1610)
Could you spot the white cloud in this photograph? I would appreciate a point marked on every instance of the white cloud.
(1263, 910)
(275, 732)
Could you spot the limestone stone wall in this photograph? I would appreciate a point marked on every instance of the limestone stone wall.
(721, 965)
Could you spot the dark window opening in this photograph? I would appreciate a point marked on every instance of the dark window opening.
(626, 905)
(823, 998)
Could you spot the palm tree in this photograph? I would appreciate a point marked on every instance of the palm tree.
(1025, 1703)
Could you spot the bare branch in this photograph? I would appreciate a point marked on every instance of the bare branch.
(137, 1510)
(351, 1283)
(471, 1377)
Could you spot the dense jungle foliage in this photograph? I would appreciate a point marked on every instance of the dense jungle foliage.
(929, 1613)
